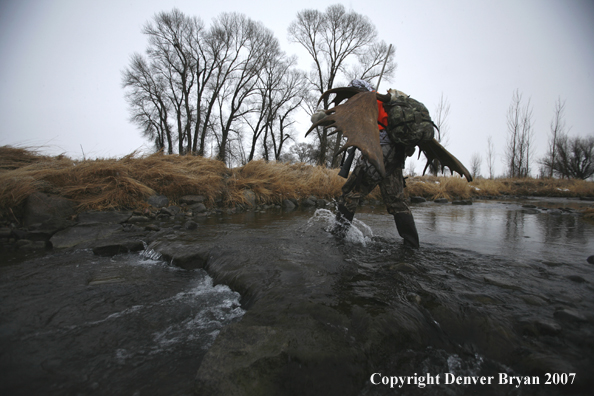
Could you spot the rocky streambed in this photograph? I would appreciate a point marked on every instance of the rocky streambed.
(267, 301)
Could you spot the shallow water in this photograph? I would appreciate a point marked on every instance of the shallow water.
(497, 284)
(75, 323)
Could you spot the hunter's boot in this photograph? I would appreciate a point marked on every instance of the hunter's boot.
(405, 224)
(344, 218)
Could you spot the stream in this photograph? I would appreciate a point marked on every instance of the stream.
(283, 307)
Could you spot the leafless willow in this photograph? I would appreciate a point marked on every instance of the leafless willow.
(519, 148)
(343, 45)
(197, 86)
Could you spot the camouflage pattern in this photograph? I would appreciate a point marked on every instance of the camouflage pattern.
(409, 121)
(365, 178)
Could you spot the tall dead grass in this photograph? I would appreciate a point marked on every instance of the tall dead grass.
(272, 182)
(103, 184)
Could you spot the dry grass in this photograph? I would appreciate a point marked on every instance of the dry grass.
(274, 181)
(126, 183)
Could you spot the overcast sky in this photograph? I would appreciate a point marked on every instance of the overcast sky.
(61, 64)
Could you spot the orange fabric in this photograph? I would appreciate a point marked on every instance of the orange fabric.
(382, 116)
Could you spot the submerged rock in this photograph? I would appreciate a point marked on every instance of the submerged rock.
(119, 247)
(83, 235)
(308, 203)
(576, 278)
(288, 204)
(497, 281)
(182, 254)
(570, 315)
(139, 219)
(190, 225)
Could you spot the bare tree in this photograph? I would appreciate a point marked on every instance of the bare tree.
(170, 36)
(412, 168)
(254, 46)
(279, 93)
(574, 157)
(304, 152)
(475, 165)
(490, 157)
(520, 135)
(148, 102)
(333, 38)
(442, 112)
(558, 131)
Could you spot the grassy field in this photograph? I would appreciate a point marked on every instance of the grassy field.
(127, 182)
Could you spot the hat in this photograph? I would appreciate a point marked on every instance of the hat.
(361, 84)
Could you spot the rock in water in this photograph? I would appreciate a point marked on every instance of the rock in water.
(75, 236)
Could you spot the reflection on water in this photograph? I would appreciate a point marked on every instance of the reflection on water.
(496, 228)
(510, 286)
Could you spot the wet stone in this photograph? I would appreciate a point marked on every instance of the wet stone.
(198, 208)
(403, 267)
(494, 280)
(576, 278)
(40, 207)
(158, 201)
(570, 315)
(481, 298)
(111, 249)
(307, 203)
(540, 362)
(533, 300)
(83, 234)
(321, 203)
(138, 219)
(590, 259)
(25, 244)
(417, 199)
(441, 200)
(288, 204)
(191, 225)
(192, 199)
(547, 327)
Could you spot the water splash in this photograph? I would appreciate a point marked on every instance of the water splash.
(359, 233)
(149, 254)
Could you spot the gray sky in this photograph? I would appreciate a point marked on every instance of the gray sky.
(61, 63)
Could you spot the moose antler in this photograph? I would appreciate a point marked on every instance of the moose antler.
(357, 120)
(435, 151)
